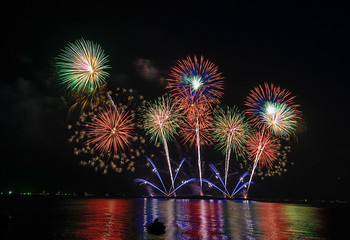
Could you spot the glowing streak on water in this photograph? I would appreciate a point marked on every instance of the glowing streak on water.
(204, 220)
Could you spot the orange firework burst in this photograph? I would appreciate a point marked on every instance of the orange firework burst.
(263, 147)
(88, 101)
(93, 137)
(111, 129)
(196, 84)
(198, 121)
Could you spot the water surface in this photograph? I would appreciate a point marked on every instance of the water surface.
(59, 218)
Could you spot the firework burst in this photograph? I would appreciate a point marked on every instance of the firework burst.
(197, 128)
(161, 121)
(230, 133)
(93, 136)
(230, 130)
(194, 79)
(82, 66)
(277, 167)
(111, 130)
(196, 84)
(274, 108)
(161, 118)
(263, 147)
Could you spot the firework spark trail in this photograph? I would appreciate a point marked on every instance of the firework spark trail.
(265, 151)
(165, 192)
(213, 168)
(254, 166)
(196, 131)
(111, 100)
(212, 184)
(199, 154)
(143, 181)
(230, 133)
(160, 121)
(192, 81)
(257, 157)
(273, 110)
(157, 173)
(198, 121)
(182, 184)
(266, 147)
(241, 180)
(227, 156)
(167, 158)
(226, 193)
(178, 169)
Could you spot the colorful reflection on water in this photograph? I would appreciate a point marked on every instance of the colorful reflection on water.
(184, 219)
(226, 219)
(198, 219)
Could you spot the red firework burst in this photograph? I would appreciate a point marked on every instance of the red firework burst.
(198, 119)
(264, 147)
(194, 79)
(111, 129)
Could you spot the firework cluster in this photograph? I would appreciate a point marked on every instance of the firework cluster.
(113, 126)
(279, 164)
(106, 135)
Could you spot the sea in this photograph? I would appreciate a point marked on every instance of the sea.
(127, 218)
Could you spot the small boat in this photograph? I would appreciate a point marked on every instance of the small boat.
(156, 228)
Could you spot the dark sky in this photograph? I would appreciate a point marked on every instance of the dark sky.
(304, 48)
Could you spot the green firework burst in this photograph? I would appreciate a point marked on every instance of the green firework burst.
(160, 117)
(231, 130)
(82, 66)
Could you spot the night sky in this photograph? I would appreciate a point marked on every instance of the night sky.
(304, 48)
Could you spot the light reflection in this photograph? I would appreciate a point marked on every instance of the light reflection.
(274, 224)
(304, 221)
(198, 219)
(106, 219)
(169, 210)
(203, 219)
(241, 220)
